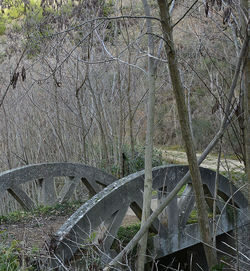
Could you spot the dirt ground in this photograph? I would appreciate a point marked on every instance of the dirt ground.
(35, 233)
(210, 162)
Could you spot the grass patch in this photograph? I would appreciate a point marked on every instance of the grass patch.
(231, 156)
(235, 176)
(125, 234)
(2, 28)
(193, 216)
(9, 255)
(12, 257)
(182, 190)
(59, 209)
(175, 148)
(2, 25)
(171, 148)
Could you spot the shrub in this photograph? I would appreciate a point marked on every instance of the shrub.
(137, 163)
(125, 234)
(9, 254)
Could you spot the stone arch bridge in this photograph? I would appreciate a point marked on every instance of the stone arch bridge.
(104, 212)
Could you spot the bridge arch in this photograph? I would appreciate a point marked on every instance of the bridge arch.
(104, 213)
(11, 180)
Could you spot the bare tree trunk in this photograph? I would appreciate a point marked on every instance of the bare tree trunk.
(187, 136)
(246, 89)
(58, 128)
(247, 120)
(128, 94)
(83, 134)
(104, 148)
(190, 114)
(215, 196)
(119, 89)
(130, 114)
(147, 195)
(7, 143)
(120, 133)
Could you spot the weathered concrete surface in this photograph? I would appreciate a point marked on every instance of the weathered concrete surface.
(107, 208)
(190, 235)
(10, 180)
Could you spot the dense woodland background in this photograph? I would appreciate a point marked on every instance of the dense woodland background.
(73, 81)
(81, 91)
(73, 87)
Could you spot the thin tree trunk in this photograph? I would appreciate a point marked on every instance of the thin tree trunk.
(130, 114)
(128, 94)
(58, 128)
(215, 196)
(104, 148)
(7, 143)
(83, 136)
(187, 136)
(247, 121)
(120, 121)
(190, 114)
(120, 133)
(147, 195)
(246, 88)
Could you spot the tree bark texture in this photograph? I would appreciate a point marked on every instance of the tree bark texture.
(147, 195)
(246, 90)
(186, 135)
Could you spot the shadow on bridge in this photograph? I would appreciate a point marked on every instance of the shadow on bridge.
(193, 258)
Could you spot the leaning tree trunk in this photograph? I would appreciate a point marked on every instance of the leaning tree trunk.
(186, 135)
